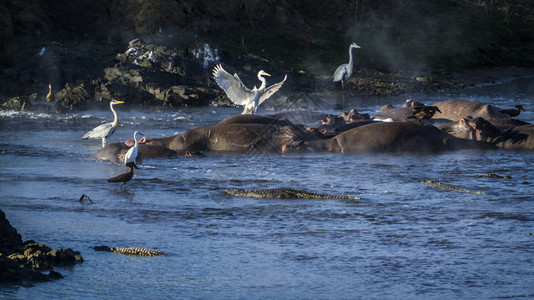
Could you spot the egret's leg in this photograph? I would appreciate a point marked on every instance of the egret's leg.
(103, 142)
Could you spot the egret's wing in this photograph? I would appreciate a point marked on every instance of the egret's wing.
(129, 155)
(271, 90)
(340, 71)
(232, 86)
(100, 131)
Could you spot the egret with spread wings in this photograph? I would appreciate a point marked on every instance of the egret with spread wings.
(240, 94)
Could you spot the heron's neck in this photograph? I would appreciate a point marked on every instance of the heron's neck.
(115, 119)
(350, 60)
(263, 82)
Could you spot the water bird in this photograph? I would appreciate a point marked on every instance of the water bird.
(424, 112)
(513, 112)
(41, 52)
(344, 71)
(105, 130)
(131, 154)
(240, 94)
(125, 177)
(50, 96)
(83, 197)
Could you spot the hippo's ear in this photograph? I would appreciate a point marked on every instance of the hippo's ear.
(143, 140)
(461, 122)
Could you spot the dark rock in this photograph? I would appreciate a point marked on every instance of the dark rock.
(24, 262)
(10, 239)
(72, 97)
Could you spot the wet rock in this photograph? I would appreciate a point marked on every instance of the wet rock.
(72, 97)
(10, 239)
(20, 103)
(25, 262)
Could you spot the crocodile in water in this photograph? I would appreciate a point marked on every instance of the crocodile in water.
(284, 194)
(137, 251)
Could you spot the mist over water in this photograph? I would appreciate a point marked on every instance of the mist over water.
(404, 239)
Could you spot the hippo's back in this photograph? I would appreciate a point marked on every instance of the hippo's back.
(456, 109)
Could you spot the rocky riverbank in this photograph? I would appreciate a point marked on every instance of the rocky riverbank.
(29, 261)
(147, 74)
(162, 52)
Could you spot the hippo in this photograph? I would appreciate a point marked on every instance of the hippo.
(299, 116)
(255, 119)
(234, 137)
(329, 131)
(404, 113)
(354, 116)
(479, 129)
(115, 152)
(410, 103)
(393, 114)
(386, 137)
(456, 109)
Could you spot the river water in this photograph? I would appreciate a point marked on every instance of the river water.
(403, 239)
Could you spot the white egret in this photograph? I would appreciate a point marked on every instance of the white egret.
(105, 130)
(344, 71)
(131, 155)
(240, 94)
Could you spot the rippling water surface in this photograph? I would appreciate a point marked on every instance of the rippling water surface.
(404, 239)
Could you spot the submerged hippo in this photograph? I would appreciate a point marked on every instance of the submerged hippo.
(299, 116)
(479, 129)
(255, 119)
(456, 109)
(385, 137)
(240, 138)
(393, 114)
(115, 152)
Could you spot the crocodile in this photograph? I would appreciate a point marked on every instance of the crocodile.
(490, 175)
(284, 193)
(136, 251)
(450, 187)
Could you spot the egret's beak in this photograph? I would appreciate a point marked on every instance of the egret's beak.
(266, 74)
(139, 133)
(119, 102)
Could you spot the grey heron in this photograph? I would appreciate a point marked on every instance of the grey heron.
(240, 94)
(131, 154)
(344, 71)
(105, 130)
